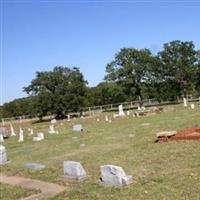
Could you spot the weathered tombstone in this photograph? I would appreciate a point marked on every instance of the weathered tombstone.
(184, 102)
(192, 106)
(2, 130)
(74, 170)
(98, 119)
(106, 118)
(114, 176)
(3, 155)
(143, 108)
(31, 131)
(128, 112)
(78, 128)
(82, 145)
(51, 129)
(21, 135)
(121, 112)
(40, 136)
(35, 166)
(139, 108)
(68, 118)
(115, 115)
(1, 138)
(12, 130)
(53, 121)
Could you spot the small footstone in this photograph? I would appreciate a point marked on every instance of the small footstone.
(73, 170)
(35, 166)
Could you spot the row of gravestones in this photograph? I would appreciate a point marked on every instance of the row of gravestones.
(40, 136)
(110, 174)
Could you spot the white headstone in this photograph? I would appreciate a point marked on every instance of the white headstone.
(3, 123)
(143, 108)
(77, 127)
(121, 112)
(51, 129)
(192, 106)
(3, 156)
(40, 136)
(98, 119)
(53, 121)
(1, 138)
(128, 112)
(184, 102)
(31, 131)
(12, 130)
(21, 135)
(115, 115)
(74, 170)
(114, 176)
(106, 118)
(68, 118)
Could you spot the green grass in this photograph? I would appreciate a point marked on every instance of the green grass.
(162, 170)
(8, 192)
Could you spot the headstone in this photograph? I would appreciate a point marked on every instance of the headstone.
(109, 120)
(2, 130)
(34, 166)
(74, 170)
(106, 118)
(68, 118)
(82, 145)
(3, 155)
(121, 112)
(78, 128)
(98, 119)
(115, 115)
(3, 123)
(192, 106)
(21, 135)
(139, 108)
(143, 108)
(184, 102)
(40, 136)
(1, 138)
(53, 121)
(51, 129)
(114, 176)
(12, 130)
(31, 131)
(128, 112)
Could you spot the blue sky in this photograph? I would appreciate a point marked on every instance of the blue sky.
(38, 35)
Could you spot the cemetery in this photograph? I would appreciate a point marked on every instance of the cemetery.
(95, 159)
(99, 100)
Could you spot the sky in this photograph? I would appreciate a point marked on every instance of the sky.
(39, 35)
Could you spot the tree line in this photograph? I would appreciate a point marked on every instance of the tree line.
(133, 74)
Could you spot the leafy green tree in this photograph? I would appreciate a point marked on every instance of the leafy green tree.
(106, 93)
(177, 69)
(58, 92)
(131, 69)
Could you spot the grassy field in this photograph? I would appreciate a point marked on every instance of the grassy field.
(166, 171)
(8, 192)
